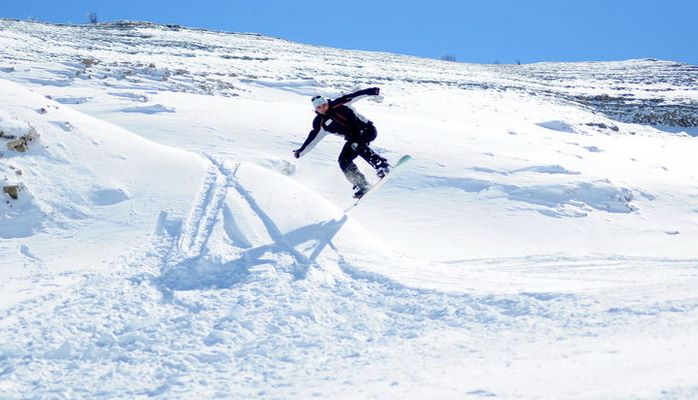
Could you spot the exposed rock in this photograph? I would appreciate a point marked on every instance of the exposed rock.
(17, 170)
(22, 143)
(601, 125)
(89, 62)
(4, 135)
(12, 190)
(18, 145)
(13, 168)
(651, 111)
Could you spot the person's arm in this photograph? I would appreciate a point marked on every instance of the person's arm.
(314, 137)
(352, 97)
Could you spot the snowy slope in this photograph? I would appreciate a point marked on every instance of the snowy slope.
(86, 183)
(540, 245)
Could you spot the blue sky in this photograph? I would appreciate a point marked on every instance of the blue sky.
(473, 31)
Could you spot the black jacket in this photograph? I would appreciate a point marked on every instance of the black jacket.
(339, 119)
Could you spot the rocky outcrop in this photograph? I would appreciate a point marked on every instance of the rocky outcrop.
(645, 91)
(643, 111)
(12, 190)
(21, 137)
(21, 144)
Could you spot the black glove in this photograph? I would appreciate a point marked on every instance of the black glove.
(375, 91)
(297, 153)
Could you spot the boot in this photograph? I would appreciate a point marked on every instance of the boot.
(355, 176)
(383, 169)
(360, 191)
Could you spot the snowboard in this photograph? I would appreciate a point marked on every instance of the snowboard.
(381, 182)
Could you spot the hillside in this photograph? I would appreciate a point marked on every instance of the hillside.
(164, 242)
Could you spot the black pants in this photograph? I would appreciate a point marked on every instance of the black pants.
(358, 146)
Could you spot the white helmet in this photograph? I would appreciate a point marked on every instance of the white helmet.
(318, 101)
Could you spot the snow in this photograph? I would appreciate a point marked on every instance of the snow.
(541, 243)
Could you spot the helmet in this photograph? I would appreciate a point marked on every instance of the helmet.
(318, 101)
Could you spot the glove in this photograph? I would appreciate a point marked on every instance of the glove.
(296, 154)
(375, 91)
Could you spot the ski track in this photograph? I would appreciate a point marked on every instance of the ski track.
(166, 316)
(203, 216)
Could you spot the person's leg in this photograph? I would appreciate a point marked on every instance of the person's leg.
(380, 164)
(368, 134)
(371, 157)
(350, 170)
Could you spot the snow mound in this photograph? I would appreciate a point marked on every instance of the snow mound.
(21, 218)
(564, 199)
(245, 216)
(560, 126)
(84, 180)
(109, 196)
(154, 109)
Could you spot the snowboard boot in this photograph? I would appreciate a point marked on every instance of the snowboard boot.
(357, 179)
(383, 169)
(360, 191)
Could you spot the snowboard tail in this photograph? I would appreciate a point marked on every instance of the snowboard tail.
(382, 181)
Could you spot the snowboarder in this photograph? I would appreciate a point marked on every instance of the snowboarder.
(337, 117)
